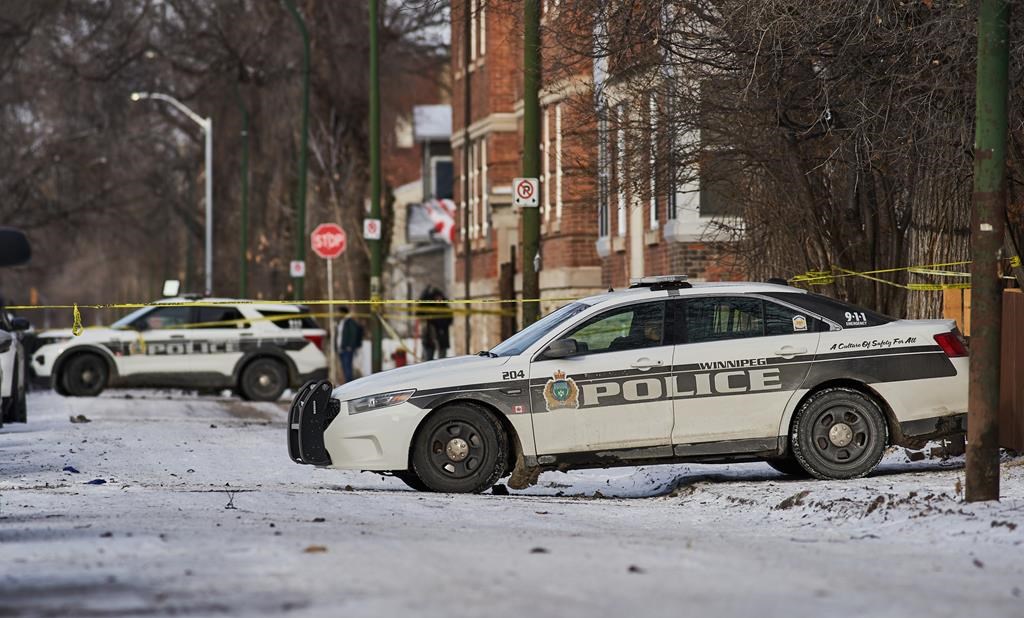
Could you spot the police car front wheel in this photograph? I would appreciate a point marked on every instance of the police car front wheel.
(839, 433)
(461, 448)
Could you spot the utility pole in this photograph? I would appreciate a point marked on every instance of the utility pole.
(375, 181)
(467, 119)
(300, 198)
(987, 230)
(531, 155)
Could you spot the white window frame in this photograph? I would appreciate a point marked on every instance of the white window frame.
(620, 165)
(558, 161)
(653, 163)
(546, 165)
(485, 211)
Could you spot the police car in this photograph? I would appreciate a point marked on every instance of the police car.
(257, 349)
(662, 372)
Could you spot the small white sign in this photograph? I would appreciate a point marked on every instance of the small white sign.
(525, 192)
(371, 229)
(297, 268)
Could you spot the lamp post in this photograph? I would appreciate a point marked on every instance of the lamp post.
(207, 126)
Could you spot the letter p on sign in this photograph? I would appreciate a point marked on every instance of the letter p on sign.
(524, 192)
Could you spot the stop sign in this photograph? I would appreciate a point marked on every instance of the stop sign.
(328, 240)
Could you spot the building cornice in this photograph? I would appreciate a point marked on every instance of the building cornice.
(497, 122)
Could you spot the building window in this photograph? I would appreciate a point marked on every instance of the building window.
(558, 161)
(485, 211)
(603, 172)
(653, 162)
(620, 169)
(464, 201)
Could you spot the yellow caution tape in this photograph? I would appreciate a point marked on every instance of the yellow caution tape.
(76, 327)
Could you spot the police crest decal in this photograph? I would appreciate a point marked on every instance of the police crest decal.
(561, 392)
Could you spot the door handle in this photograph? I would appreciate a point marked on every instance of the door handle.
(788, 351)
(643, 364)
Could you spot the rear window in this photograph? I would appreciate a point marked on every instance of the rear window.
(290, 319)
(843, 314)
(219, 317)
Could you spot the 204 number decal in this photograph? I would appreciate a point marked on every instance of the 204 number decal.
(513, 375)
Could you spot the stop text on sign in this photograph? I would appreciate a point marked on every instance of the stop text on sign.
(328, 240)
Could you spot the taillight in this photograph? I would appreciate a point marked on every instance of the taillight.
(317, 340)
(952, 344)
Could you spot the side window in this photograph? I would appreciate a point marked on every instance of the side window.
(625, 328)
(779, 320)
(723, 317)
(220, 317)
(164, 317)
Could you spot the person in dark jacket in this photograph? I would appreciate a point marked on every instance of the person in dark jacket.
(349, 338)
(436, 322)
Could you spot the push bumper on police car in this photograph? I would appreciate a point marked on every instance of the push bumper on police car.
(324, 431)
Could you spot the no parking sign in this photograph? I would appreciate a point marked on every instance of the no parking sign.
(525, 191)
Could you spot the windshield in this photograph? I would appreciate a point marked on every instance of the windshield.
(525, 338)
(126, 321)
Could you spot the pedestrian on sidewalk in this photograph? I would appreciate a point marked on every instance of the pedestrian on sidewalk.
(349, 336)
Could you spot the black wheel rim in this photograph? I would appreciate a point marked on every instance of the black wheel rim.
(90, 376)
(457, 449)
(841, 434)
(264, 381)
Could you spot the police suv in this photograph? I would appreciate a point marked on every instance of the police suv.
(257, 349)
(662, 372)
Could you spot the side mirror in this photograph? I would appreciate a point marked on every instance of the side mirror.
(20, 324)
(562, 348)
(14, 247)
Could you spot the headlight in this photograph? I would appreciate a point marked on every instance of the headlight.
(375, 402)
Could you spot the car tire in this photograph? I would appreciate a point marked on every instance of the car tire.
(264, 379)
(16, 408)
(839, 433)
(788, 466)
(409, 478)
(460, 448)
(84, 375)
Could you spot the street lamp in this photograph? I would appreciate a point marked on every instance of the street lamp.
(207, 126)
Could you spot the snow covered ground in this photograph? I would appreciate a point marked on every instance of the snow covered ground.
(200, 512)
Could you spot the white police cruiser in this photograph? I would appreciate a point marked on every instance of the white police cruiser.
(663, 372)
(257, 349)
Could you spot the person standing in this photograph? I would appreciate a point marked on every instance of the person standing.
(442, 324)
(349, 336)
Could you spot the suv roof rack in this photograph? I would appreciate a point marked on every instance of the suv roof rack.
(663, 282)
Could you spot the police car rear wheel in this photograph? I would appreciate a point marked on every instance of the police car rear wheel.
(839, 433)
(264, 379)
(85, 375)
(460, 449)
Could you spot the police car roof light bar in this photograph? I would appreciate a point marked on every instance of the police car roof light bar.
(662, 282)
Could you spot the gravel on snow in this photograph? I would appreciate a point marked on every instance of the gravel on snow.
(163, 502)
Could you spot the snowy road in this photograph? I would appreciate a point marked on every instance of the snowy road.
(202, 513)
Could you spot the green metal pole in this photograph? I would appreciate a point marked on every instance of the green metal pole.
(243, 281)
(300, 219)
(987, 230)
(375, 179)
(531, 154)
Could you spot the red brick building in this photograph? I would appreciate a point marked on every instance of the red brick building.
(605, 218)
